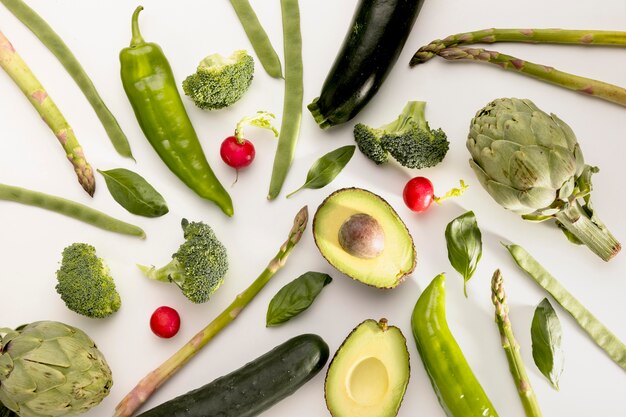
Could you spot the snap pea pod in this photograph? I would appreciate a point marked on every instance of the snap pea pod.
(294, 92)
(258, 38)
(598, 332)
(459, 392)
(68, 208)
(55, 44)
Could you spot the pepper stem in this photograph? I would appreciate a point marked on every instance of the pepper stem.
(589, 230)
(137, 39)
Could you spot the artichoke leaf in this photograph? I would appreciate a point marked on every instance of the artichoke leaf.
(546, 131)
(6, 366)
(529, 167)
(51, 352)
(52, 403)
(22, 345)
(562, 166)
(7, 401)
(570, 137)
(20, 385)
(44, 376)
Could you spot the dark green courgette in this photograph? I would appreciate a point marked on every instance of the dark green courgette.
(377, 34)
(255, 387)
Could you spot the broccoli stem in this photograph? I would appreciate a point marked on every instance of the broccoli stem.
(167, 273)
(149, 384)
(609, 92)
(562, 36)
(412, 111)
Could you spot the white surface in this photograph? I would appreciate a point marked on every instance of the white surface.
(32, 239)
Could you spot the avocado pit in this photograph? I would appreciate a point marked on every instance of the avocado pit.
(362, 236)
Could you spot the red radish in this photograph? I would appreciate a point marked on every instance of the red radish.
(238, 152)
(165, 322)
(419, 194)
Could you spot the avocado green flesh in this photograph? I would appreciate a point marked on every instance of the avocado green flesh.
(396, 260)
(369, 373)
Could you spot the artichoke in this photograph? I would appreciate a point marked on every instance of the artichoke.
(530, 163)
(48, 368)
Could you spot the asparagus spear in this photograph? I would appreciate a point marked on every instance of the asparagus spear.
(511, 347)
(142, 391)
(562, 36)
(551, 75)
(17, 69)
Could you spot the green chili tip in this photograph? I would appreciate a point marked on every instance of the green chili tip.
(137, 39)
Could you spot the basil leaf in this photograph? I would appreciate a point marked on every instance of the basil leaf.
(545, 333)
(325, 169)
(295, 297)
(134, 193)
(465, 246)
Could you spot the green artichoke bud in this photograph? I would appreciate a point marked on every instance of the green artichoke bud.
(530, 163)
(48, 368)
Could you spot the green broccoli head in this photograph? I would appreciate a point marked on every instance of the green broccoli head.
(218, 81)
(198, 267)
(85, 284)
(368, 141)
(408, 139)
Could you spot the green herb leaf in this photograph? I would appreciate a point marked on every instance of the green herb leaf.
(545, 333)
(465, 246)
(295, 297)
(134, 193)
(325, 169)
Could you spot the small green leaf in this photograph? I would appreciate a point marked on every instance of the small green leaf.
(134, 193)
(295, 297)
(325, 169)
(465, 246)
(545, 333)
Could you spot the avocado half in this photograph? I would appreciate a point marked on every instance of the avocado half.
(369, 373)
(388, 254)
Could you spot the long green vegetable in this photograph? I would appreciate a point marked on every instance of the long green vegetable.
(459, 392)
(21, 74)
(598, 332)
(68, 208)
(258, 38)
(600, 89)
(294, 93)
(142, 391)
(511, 347)
(560, 36)
(55, 44)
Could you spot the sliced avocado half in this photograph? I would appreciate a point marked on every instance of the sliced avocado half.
(369, 373)
(362, 236)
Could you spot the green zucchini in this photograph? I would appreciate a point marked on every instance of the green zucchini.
(255, 387)
(378, 31)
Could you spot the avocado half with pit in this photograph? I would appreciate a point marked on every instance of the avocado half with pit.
(369, 373)
(362, 236)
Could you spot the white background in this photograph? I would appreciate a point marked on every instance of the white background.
(32, 239)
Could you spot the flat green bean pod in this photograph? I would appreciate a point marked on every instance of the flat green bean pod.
(258, 38)
(69, 208)
(294, 96)
(55, 44)
(459, 392)
(598, 332)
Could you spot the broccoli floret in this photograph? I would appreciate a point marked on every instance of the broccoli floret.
(198, 267)
(85, 284)
(218, 81)
(408, 139)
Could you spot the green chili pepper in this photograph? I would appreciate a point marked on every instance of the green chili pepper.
(458, 390)
(153, 92)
